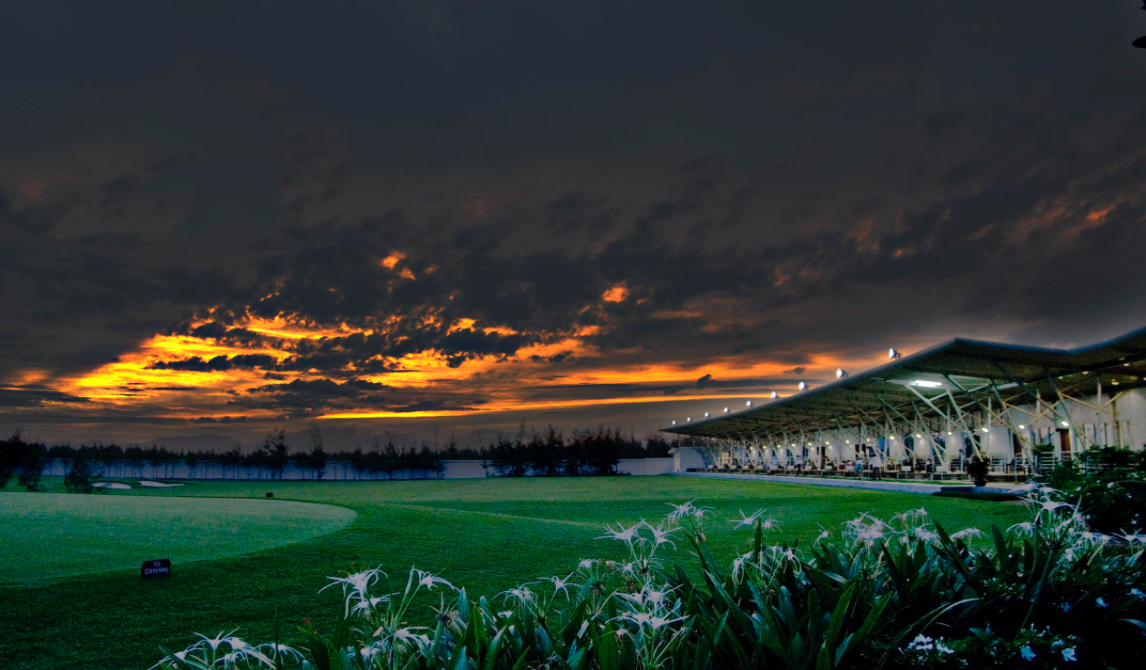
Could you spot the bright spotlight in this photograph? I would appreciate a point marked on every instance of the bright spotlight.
(706, 415)
(1065, 424)
(840, 373)
(726, 410)
(775, 395)
(893, 355)
(927, 384)
(688, 420)
(674, 422)
(1022, 427)
(986, 430)
(803, 385)
(748, 404)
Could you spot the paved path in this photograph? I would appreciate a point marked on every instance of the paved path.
(880, 485)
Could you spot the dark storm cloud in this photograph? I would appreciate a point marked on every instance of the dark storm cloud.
(218, 363)
(32, 396)
(300, 398)
(769, 183)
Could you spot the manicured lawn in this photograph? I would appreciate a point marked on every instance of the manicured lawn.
(486, 535)
(52, 535)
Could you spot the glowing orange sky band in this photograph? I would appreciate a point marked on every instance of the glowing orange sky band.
(555, 404)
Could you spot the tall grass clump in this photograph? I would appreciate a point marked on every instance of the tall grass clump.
(877, 593)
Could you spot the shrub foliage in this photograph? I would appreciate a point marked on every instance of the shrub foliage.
(1109, 486)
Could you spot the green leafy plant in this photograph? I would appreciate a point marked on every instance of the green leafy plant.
(898, 593)
(1102, 483)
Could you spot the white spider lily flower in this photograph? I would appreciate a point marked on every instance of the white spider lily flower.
(747, 520)
(782, 553)
(408, 636)
(561, 584)
(738, 565)
(367, 652)
(926, 535)
(356, 586)
(1024, 528)
(212, 642)
(364, 607)
(913, 516)
(627, 535)
(966, 532)
(644, 619)
(283, 651)
(656, 597)
(521, 594)
(587, 563)
(427, 581)
(681, 511)
(1052, 505)
(661, 535)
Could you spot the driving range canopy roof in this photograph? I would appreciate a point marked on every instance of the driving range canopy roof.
(951, 379)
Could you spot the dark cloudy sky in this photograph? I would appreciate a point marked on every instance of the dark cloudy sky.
(439, 217)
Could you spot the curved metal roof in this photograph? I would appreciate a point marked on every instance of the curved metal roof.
(928, 383)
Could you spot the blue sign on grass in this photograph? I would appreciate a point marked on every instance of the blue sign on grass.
(157, 568)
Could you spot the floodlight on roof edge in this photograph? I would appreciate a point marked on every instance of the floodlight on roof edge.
(775, 395)
(706, 415)
(674, 422)
(893, 355)
(748, 404)
(927, 383)
(841, 373)
(803, 386)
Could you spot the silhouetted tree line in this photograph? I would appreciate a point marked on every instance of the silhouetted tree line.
(546, 453)
(550, 454)
(26, 458)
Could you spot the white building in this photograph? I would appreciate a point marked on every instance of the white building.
(1004, 402)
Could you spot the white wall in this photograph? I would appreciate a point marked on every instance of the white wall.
(335, 470)
(1131, 410)
(645, 466)
(686, 458)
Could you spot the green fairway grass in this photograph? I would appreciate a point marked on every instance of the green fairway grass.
(486, 535)
(51, 535)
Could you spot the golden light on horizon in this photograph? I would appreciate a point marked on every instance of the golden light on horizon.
(222, 376)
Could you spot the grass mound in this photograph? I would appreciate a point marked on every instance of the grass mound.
(45, 536)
